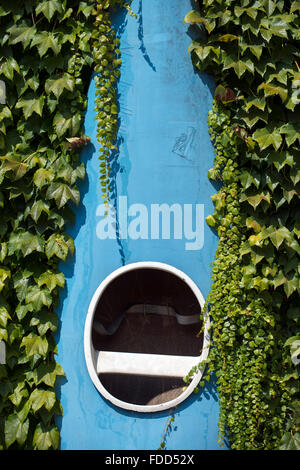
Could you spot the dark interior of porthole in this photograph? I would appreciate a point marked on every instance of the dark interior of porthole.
(146, 332)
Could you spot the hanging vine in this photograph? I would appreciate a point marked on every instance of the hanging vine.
(108, 62)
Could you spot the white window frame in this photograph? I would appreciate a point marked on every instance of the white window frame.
(92, 356)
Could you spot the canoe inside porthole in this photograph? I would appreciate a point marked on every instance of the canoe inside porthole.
(143, 334)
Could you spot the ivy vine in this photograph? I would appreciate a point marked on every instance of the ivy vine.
(252, 49)
(107, 68)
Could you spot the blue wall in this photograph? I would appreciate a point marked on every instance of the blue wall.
(164, 154)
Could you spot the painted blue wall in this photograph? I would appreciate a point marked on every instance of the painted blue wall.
(164, 155)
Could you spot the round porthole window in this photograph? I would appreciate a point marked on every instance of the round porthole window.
(142, 336)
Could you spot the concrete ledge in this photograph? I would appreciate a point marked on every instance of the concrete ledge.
(144, 364)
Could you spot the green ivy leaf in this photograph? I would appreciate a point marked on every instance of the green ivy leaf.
(295, 6)
(51, 279)
(280, 159)
(291, 285)
(44, 322)
(8, 68)
(62, 193)
(5, 10)
(38, 297)
(46, 40)
(5, 113)
(21, 282)
(70, 175)
(29, 106)
(3, 251)
(3, 334)
(37, 208)
(271, 90)
(14, 164)
(294, 343)
(278, 235)
(69, 124)
(42, 177)
(85, 9)
(203, 52)
(290, 441)
(22, 310)
(254, 224)
(57, 86)
(248, 179)
(47, 373)
(15, 430)
(252, 12)
(268, 136)
(227, 38)
(291, 132)
(4, 316)
(18, 394)
(26, 242)
(297, 228)
(239, 66)
(23, 34)
(294, 245)
(4, 276)
(210, 220)
(57, 246)
(40, 397)
(49, 7)
(253, 116)
(256, 199)
(194, 17)
(256, 50)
